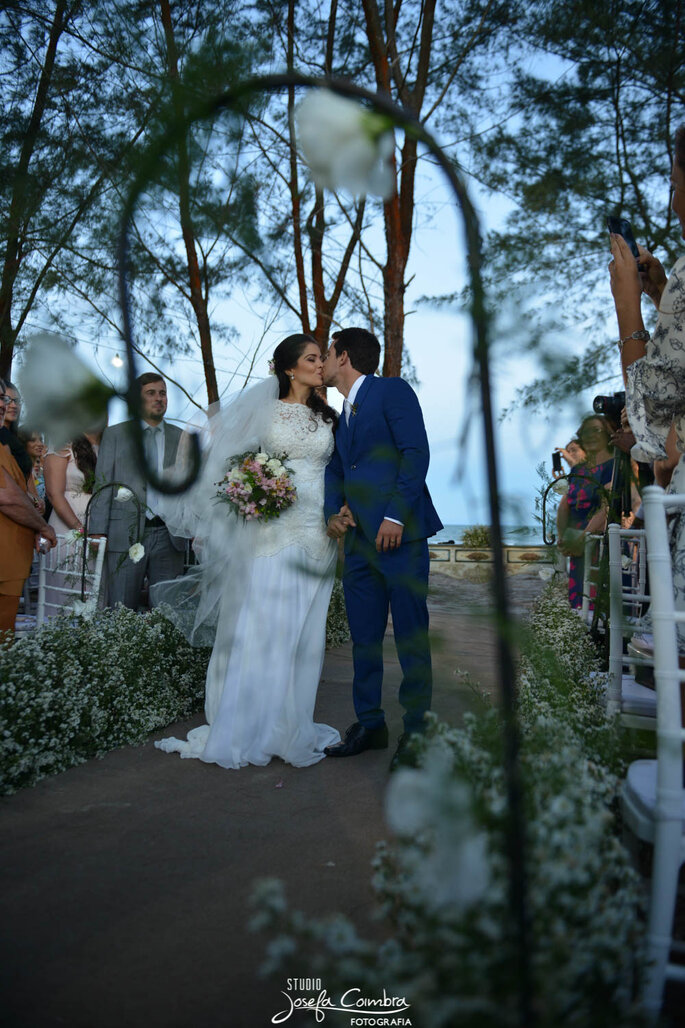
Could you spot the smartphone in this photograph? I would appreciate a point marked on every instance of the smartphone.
(556, 461)
(622, 227)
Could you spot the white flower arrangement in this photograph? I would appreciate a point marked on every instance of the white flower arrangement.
(136, 552)
(89, 681)
(81, 686)
(345, 145)
(60, 389)
(443, 882)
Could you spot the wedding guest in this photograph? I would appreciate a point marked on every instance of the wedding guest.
(21, 526)
(9, 434)
(573, 454)
(138, 518)
(33, 443)
(69, 480)
(654, 364)
(583, 510)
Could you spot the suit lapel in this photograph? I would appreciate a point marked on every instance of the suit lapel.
(364, 390)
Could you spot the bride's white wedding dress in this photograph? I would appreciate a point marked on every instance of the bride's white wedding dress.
(268, 653)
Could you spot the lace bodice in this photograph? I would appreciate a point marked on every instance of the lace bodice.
(308, 442)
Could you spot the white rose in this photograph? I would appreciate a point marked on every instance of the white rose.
(123, 494)
(136, 552)
(274, 465)
(236, 475)
(262, 458)
(345, 145)
(60, 390)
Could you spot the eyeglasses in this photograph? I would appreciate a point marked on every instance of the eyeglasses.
(4, 398)
(16, 400)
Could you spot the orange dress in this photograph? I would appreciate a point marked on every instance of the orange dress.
(16, 541)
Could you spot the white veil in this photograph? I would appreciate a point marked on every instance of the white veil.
(211, 591)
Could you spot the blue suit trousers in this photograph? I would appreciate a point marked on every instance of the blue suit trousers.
(375, 583)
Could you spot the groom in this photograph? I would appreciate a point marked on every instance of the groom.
(376, 498)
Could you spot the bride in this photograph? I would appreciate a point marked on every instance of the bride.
(265, 587)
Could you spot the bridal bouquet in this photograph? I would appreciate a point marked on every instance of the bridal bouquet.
(257, 486)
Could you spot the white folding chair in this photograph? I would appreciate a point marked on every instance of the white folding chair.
(635, 703)
(594, 546)
(60, 572)
(653, 797)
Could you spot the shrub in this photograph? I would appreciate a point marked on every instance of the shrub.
(337, 627)
(477, 536)
(79, 687)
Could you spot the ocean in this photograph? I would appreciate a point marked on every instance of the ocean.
(513, 535)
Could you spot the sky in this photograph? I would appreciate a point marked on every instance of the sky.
(439, 342)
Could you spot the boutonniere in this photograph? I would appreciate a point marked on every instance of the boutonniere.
(354, 410)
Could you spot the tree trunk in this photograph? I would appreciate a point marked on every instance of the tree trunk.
(399, 210)
(197, 299)
(12, 261)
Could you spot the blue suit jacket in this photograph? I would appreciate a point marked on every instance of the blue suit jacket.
(380, 462)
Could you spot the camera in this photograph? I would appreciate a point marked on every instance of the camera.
(610, 406)
(556, 462)
(622, 227)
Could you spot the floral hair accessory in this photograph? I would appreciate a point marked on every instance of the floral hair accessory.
(272, 367)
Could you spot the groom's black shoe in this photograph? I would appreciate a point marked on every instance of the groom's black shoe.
(405, 755)
(357, 739)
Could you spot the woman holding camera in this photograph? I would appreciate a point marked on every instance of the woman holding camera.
(583, 510)
(654, 365)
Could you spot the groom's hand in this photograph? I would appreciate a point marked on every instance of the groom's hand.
(389, 536)
(340, 522)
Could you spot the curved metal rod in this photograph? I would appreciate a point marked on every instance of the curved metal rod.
(86, 516)
(546, 541)
(236, 100)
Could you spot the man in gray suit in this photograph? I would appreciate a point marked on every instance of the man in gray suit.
(122, 522)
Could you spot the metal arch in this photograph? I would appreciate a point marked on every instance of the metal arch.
(236, 100)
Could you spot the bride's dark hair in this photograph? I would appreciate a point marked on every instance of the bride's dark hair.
(286, 355)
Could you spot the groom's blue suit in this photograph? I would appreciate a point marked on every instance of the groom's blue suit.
(379, 469)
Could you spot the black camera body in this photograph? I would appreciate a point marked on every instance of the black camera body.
(610, 406)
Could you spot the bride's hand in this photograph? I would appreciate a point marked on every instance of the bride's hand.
(340, 522)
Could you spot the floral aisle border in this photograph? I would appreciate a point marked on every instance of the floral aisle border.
(79, 687)
(120, 675)
(442, 882)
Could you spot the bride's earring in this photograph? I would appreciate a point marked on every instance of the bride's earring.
(292, 378)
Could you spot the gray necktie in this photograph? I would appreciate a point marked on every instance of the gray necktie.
(150, 439)
(347, 407)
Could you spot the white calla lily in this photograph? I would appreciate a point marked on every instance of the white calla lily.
(345, 145)
(60, 390)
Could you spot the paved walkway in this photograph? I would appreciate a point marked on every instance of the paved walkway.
(125, 880)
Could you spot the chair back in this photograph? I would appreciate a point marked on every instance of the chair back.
(667, 672)
(627, 596)
(594, 548)
(60, 571)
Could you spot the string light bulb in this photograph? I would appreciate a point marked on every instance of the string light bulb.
(117, 361)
